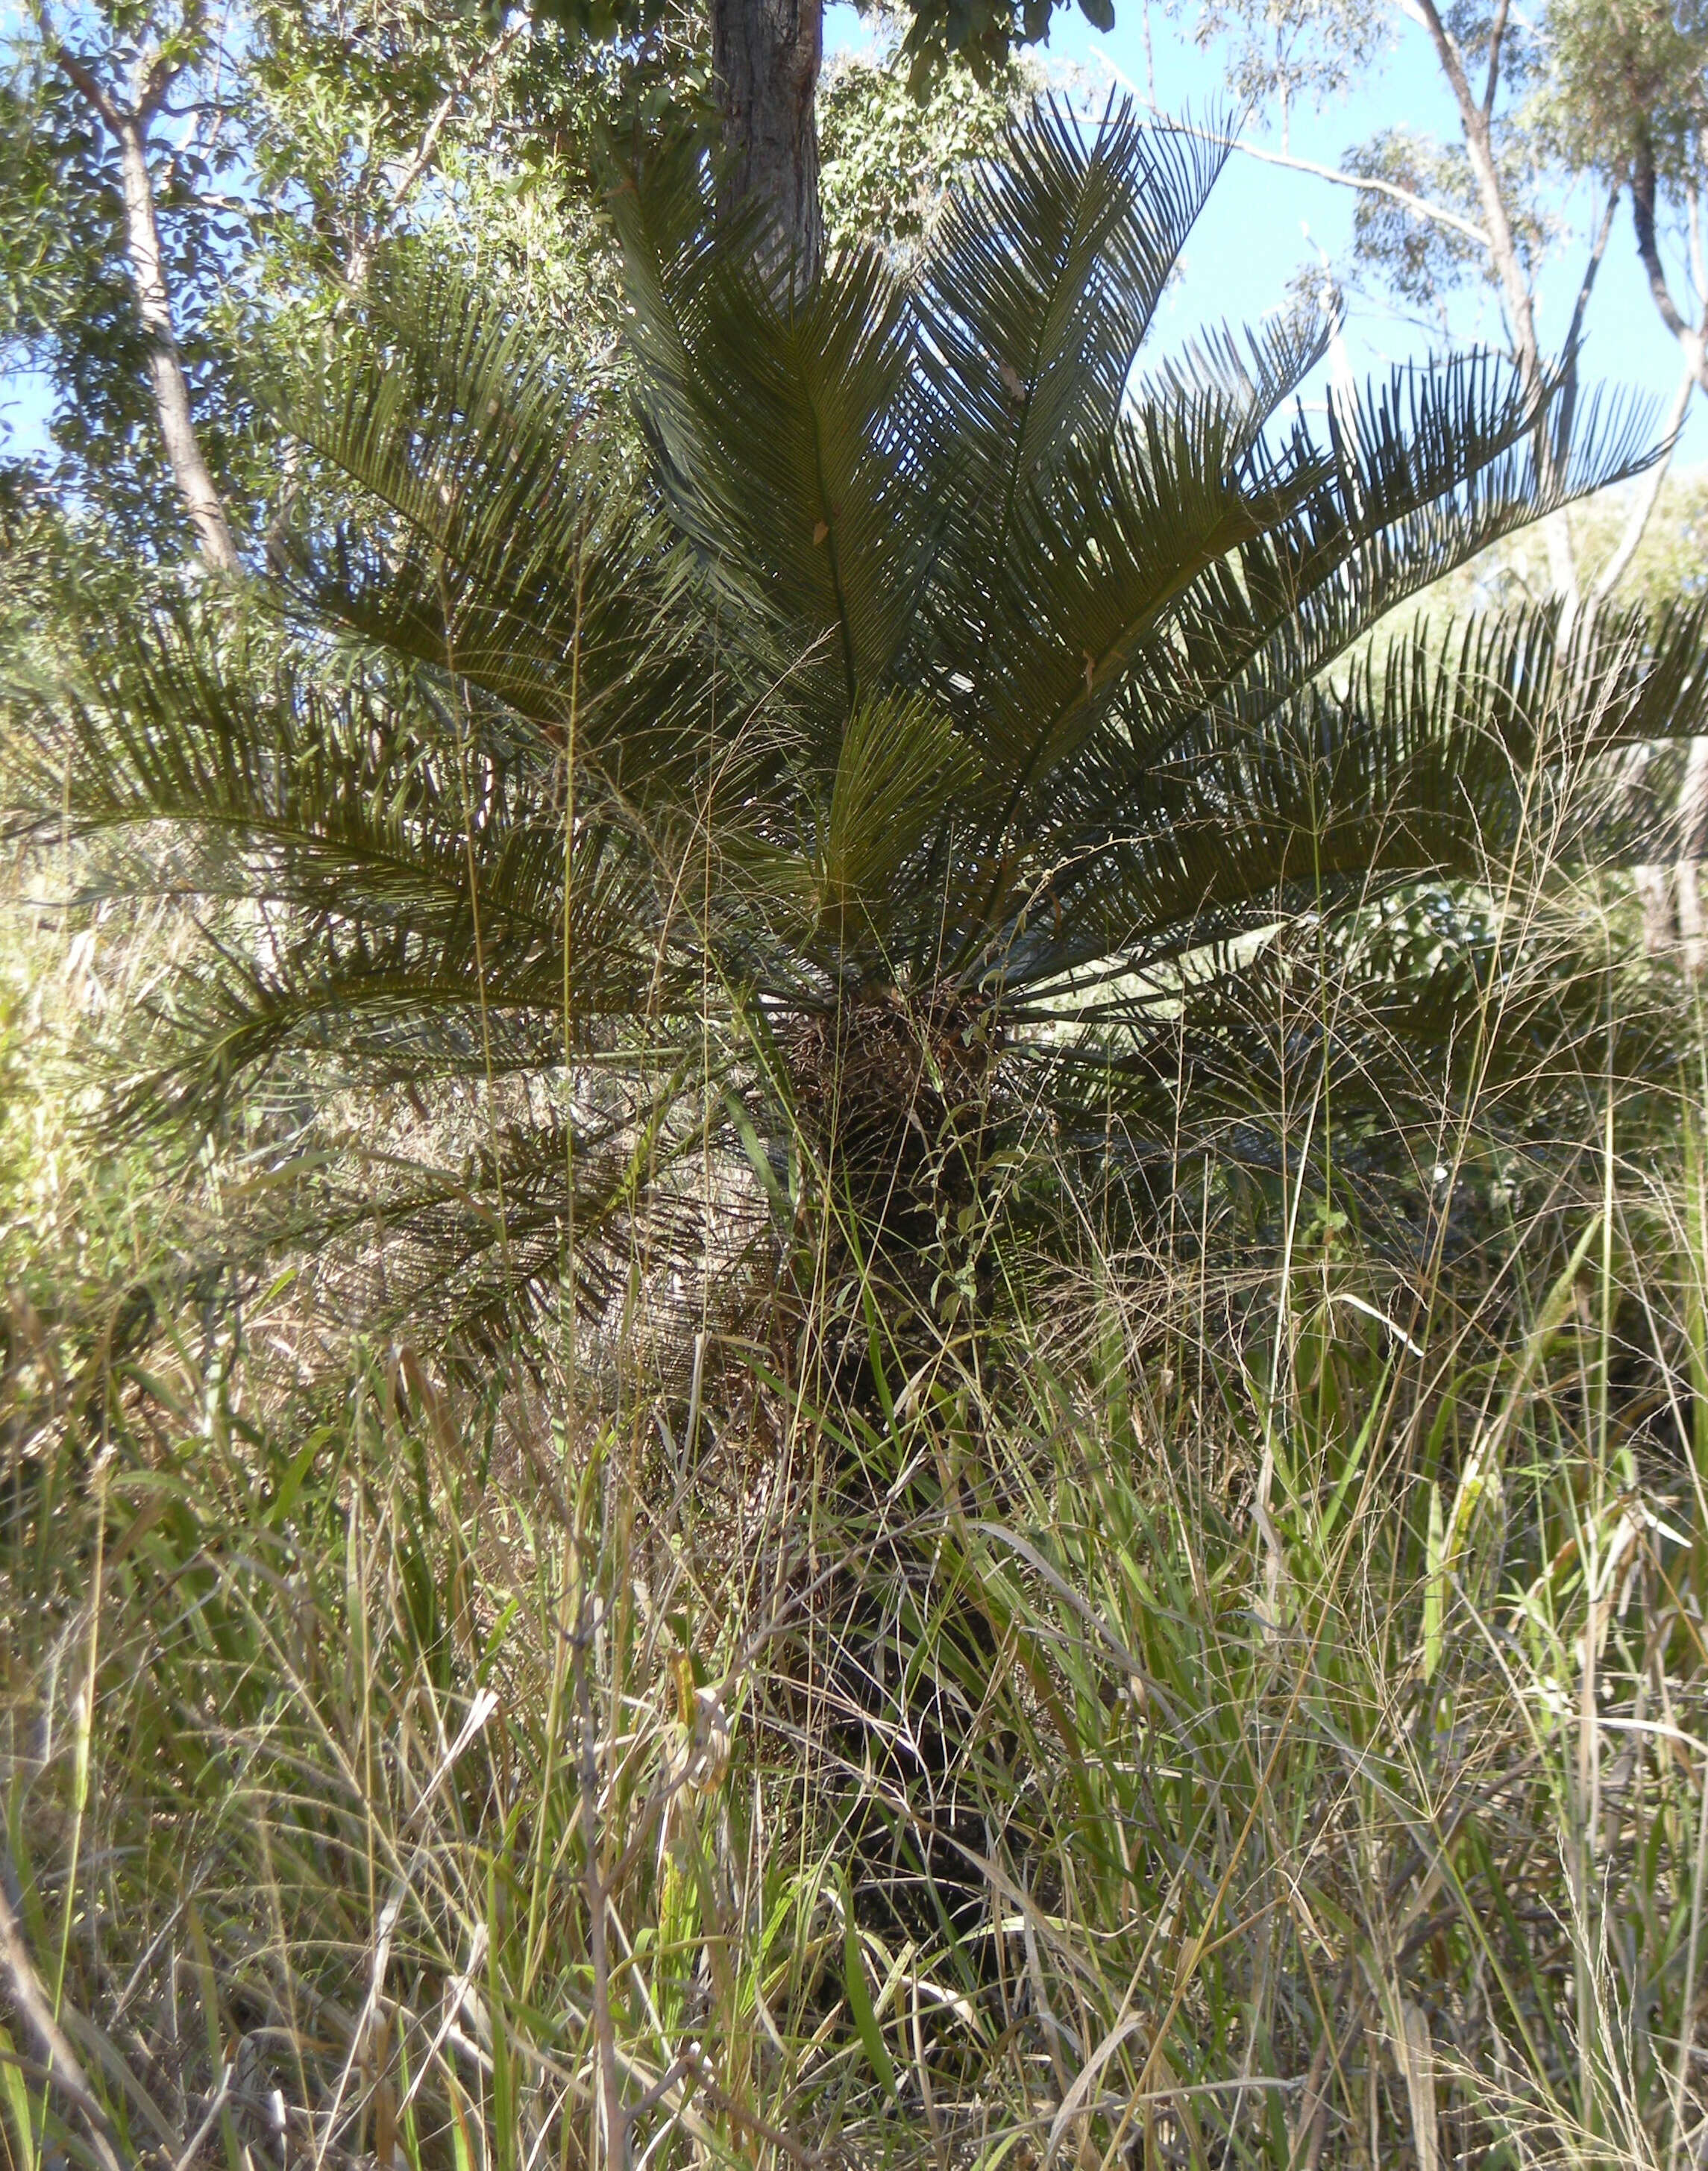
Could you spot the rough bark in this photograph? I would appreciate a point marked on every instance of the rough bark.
(167, 377)
(1692, 344)
(766, 56)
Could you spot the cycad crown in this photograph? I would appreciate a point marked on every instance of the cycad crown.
(944, 718)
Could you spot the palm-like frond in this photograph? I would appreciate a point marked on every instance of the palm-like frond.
(937, 683)
(500, 538)
(388, 908)
(1034, 304)
(1445, 752)
(375, 821)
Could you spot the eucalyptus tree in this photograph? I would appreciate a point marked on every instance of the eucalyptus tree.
(1625, 104)
(1607, 94)
(172, 173)
(117, 222)
(1626, 101)
(186, 191)
(952, 740)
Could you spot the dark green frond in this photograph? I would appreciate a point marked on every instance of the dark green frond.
(1248, 379)
(1465, 754)
(519, 553)
(780, 432)
(992, 737)
(1043, 281)
(495, 1240)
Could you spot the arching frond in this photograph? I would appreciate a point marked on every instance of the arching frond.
(1043, 283)
(503, 537)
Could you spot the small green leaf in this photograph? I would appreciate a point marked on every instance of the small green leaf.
(1435, 1585)
(860, 1997)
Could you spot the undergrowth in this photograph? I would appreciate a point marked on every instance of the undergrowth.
(1195, 1717)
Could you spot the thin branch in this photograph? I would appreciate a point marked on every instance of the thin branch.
(355, 267)
(155, 84)
(1419, 206)
(1517, 297)
(1452, 63)
(1574, 331)
(128, 127)
(360, 253)
(460, 90)
(1497, 32)
(83, 79)
(197, 112)
(1644, 183)
(1598, 250)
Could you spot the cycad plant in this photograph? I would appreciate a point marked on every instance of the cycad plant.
(921, 740)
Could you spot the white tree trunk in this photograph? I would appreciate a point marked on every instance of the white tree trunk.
(1654, 894)
(1693, 837)
(1515, 288)
(166, 374)
(1647, 495)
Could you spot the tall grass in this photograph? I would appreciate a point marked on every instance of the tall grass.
(1213, 1718)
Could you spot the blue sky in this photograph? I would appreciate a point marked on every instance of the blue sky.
(24, 403)
(1264, 222)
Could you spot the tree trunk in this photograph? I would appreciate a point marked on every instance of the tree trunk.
(1689, 916)
(1655, 895)
(1646, 500)
(1692, 347)
(166, 375)
(1474, 115)
(1693, 840)
(1692, 344)
(766, 56)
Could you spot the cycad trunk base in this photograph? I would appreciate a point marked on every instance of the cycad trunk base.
(894, 1098)
(895, 1107)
